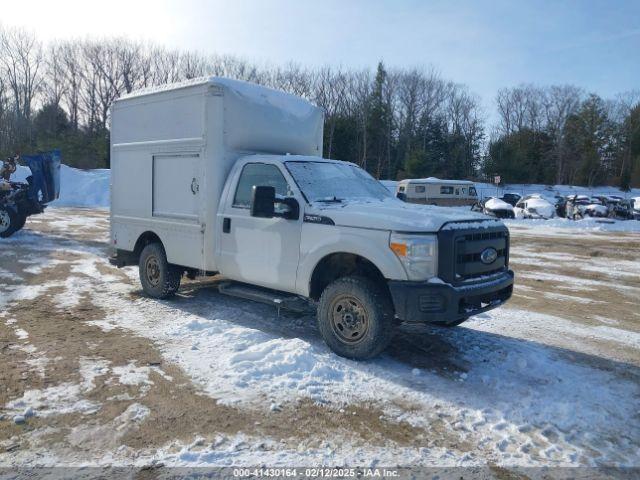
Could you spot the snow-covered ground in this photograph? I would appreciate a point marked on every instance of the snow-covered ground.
(91, 366)
(104, 374)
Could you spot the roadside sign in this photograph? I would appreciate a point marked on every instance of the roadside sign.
(496, 179)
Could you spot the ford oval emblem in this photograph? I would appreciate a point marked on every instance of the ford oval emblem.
(488, 255)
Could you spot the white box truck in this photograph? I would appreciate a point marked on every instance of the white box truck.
(218, 176)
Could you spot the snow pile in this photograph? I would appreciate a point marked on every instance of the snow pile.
(78, 188)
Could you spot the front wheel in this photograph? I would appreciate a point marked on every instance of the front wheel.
(9, 221)
(158, 277)
(355, 317)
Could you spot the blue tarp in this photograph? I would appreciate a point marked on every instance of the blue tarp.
(45, 169)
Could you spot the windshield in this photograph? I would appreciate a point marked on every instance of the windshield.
(335, 182)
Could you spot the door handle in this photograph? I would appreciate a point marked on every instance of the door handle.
(226, 225)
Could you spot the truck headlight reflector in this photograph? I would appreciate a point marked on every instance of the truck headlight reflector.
(418, 254)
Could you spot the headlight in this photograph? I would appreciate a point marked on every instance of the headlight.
(418, 254)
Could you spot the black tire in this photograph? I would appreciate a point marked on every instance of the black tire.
(158, 277)
(355, 317)
(9, 220)
(22, 219)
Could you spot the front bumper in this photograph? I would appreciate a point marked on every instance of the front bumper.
(445, 303)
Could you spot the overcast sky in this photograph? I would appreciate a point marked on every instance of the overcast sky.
(484, 44)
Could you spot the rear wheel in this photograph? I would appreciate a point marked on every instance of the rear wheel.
(9, 220)
(355, 317)
(158, 277)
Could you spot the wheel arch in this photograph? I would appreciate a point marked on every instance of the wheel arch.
(342, 264)
(145, 239)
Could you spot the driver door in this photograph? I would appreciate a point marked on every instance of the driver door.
(260, 251)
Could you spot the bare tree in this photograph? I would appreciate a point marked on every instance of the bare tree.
(54, 85)
(21, 60)
(559, 103)
(70, 62)
(329, 93)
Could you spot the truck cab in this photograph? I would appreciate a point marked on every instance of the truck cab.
(296, 228)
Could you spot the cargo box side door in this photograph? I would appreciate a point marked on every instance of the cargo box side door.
(177, 205)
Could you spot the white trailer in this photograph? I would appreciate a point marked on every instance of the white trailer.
(172, 150)
(434, 191)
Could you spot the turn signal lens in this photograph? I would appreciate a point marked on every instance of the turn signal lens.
(417, 252)
(400, 249)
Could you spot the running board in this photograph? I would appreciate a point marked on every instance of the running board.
(265, 295)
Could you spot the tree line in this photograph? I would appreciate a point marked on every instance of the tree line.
(564, 135)
(396, 123)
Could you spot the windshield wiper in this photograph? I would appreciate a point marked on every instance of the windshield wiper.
(331, 200)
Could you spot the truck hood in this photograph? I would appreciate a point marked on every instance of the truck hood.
(392, 214)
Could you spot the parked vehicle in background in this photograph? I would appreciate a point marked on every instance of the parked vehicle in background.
(617, 206)
(534, 206)
(19, 200)
(192, 192)
(635, 207)
(511, 198)
(622, 210)
(596, 208)
(433, 191)
(580, 206)
(494, 207)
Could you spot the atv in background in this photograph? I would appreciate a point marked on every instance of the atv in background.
(19, 200)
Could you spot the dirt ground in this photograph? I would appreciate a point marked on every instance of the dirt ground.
(47, 341)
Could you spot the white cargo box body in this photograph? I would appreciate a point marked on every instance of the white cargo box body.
(172, 150)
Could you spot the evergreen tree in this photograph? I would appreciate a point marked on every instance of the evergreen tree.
(379, 128)
(588, 135)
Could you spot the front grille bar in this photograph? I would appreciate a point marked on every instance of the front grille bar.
(460, 251)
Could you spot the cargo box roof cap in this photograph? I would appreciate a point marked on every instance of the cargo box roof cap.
(248, 91)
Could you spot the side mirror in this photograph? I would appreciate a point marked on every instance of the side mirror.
(291, 210)
(263, 199)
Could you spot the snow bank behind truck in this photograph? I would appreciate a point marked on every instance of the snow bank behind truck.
(221, 176)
